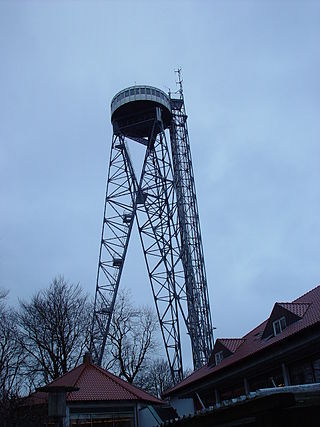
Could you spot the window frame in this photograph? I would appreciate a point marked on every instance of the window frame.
(279, 325)
(218, 357)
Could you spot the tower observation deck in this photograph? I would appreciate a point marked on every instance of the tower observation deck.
(133, 110)
(163, 202)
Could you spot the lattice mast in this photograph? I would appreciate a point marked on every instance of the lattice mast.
(199, 317)
(163, 202)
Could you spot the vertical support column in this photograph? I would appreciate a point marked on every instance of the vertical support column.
(217, 396)
(246, 386)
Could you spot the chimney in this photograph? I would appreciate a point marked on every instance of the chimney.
(87, 358)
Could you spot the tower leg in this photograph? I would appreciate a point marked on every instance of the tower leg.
(119, 213)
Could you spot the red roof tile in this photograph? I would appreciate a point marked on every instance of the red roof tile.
(307, 307)
(298, 308)
(96, 384)
(231, 344)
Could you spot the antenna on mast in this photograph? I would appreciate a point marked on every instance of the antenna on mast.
(178, 71)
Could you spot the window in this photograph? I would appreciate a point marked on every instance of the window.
(131, 91)
(279, 325)
(148, 91)
(301, 373)
(126, 93)
(218, 357)
(142, 90)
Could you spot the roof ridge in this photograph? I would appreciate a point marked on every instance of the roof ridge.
(306, 293)
(295, 303)
(65, 374)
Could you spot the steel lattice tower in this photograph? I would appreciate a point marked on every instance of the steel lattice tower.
(163, 202)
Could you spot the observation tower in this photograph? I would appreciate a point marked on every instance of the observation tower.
(163, 202)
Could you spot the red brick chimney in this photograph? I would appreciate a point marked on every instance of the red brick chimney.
(87, 358)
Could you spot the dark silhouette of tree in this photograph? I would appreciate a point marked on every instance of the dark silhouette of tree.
(11, 354)
(132, 338)
(54, 330)
(11, 359)
(156, 377)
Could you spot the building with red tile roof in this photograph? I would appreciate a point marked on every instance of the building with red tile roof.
(283, 350)
(100, 398)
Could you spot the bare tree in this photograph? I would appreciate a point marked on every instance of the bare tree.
(11, 354)
(11, 358)
(3, 295)
(54, 330)
(156, 377)
(132, 338)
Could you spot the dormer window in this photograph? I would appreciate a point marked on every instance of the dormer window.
(279, 325)
(223, 348)
(282, 316)
(218, 357)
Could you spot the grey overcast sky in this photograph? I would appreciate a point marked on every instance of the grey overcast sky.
(251, 82)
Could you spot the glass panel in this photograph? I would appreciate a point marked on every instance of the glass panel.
(137, 91)
(153, 91)
(126, 93)
(218, 357)
(148, 91)
(269, 379)
(316, 370)
(157, 93)
(142, 90)
(131, 91)
(301, 374)
(279, 325)
(276, 327)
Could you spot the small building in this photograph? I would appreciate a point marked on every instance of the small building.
(102, 399)
(282, 351)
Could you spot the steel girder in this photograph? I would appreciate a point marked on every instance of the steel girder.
(159, 232)
(119, 212)
(199, 322)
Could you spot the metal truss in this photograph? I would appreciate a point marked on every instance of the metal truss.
(159, 233)
(199, 319)
(153, 204)
(119, 212)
